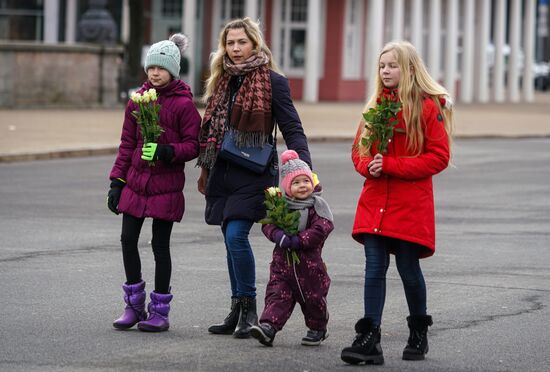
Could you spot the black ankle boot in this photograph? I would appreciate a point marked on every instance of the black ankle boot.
(247, 317)
(230, 321)
(366, 346)
(417, 344)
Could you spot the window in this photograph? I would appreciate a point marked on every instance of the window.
(172, 8)
(293, 25)
(352, 39)
(21, 20)
(224, 11)
(231, 9)
(298, 11)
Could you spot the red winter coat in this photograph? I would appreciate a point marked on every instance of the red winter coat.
(157, 191)
(399, 203)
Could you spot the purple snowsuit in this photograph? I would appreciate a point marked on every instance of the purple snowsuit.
(306, 283)
(157, 191)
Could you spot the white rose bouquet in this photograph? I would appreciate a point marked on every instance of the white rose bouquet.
(148, 115)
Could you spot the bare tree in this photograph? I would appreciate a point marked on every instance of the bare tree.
(135, 44)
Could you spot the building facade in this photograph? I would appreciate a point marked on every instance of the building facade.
(480, 50)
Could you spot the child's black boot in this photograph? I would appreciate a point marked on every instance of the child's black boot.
(366, 346)
(264, 333)
(227, 327)
(417, 344)
(314, 338)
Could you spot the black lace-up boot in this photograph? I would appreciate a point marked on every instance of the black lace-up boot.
(247, 317)
(230, 321)
(366, 346)
(417, 344)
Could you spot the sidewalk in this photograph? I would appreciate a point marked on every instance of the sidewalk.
(53, 133)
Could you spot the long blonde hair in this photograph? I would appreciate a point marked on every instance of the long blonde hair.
(252, 30)
(412, 89)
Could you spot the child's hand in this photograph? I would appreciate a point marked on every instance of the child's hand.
(113, 196)
(281, 239)
(148, 151)
(375, 166)
(295, 244)
(153, 151)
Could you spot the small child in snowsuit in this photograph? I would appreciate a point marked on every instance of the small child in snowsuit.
(307, 281)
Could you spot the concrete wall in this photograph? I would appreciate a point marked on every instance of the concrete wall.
(42, 75)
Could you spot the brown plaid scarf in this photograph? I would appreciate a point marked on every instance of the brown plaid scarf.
(250, 114)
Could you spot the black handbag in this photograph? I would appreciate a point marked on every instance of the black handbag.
(255, 159)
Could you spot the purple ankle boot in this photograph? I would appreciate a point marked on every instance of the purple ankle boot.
(134, 296)
(158, 308)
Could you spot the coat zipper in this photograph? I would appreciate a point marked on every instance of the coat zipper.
(297, 281)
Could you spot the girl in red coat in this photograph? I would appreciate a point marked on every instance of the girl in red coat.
(139, 190)
(395, 212)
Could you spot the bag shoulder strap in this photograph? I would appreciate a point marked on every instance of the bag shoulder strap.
(275, 135)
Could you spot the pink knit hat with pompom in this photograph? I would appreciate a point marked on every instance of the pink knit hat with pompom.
(291, 168)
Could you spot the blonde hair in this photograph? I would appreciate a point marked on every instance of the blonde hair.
(252, 30)
(412, 89)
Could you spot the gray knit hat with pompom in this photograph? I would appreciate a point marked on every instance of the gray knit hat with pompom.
(167, 54)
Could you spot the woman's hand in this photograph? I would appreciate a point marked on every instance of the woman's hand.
(201, 182)
(375, 166)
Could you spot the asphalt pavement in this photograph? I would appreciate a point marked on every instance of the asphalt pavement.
(488, 283)
(60, 261)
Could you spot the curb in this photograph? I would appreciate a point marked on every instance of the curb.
(110, 150)
(49, 155)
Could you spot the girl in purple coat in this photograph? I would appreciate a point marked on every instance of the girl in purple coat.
(140, 190)
(307, 281)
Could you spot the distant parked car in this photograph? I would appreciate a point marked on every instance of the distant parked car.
(506, 50)
(541, 70)
(541, 74)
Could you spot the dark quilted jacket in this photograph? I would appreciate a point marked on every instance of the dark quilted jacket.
(233, 192)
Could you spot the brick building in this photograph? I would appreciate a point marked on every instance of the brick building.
(480, 50)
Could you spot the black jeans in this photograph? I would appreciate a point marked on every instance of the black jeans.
(131, 228)
(407, 256)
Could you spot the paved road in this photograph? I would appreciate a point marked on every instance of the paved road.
(489, 282)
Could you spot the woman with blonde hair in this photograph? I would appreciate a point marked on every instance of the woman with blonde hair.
(245, 98)
(395, 212)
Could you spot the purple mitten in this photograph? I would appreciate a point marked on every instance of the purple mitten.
(281, 239)
(295, 243)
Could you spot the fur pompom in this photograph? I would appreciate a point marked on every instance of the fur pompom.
(289, 155)
(181, 41)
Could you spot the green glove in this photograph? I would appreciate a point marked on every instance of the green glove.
(148, 151)
(153, 151)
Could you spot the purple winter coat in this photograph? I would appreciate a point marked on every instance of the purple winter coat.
(306, 282)
(157, 191)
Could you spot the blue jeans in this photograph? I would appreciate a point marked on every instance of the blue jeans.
(377, 254)
(240, 258)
